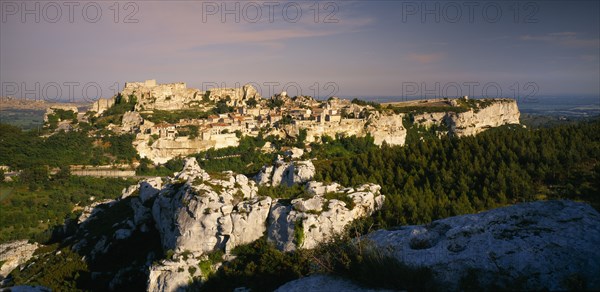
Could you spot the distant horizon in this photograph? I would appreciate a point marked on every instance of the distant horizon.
(349, 48)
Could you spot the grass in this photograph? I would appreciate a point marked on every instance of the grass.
(299, 233)
(426, 109)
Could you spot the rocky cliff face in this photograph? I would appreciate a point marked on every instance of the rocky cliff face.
(196, 213)
(200, 214)
(286, 173)
(13, 254)
(236, 96)
(381, 127)
(500, 112)
(496, 113)
(531, 246)
(304, 223)
(164, 149)
(386, 128)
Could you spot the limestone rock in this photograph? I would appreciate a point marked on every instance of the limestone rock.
(530, 246)
(199, 213)
(286, 173)
(306, 222)
(128, 191)
(387, 128)
(500, 112)
(295, 153)
(89, 211)
(164, 149)
(13, 254)
(131, 122)
(149, 188)
(430, 119)
(319, 188)
(173, 275)
(322, 283)
(235, 96)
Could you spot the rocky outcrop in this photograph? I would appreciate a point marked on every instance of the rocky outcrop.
(131, 122)
(532, 246)
(234, 96)
(430, 119)
(173, 275)
(197, 213)
(386, 128)
(13, 254)
(200, 214)
(381, 127)
(306, 222)
(474, 121)
(286, 173)
(164, 149)
(322, 283)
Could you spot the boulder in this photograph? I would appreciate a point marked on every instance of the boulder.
(286, 173)
(549, 245)
(131, 122)
(13, 254)
(322, 283)
(306, 222)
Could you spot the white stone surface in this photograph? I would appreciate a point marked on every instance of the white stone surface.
(14, 254)
(530, 246)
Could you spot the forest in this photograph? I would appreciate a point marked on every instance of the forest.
(424, 180)
(438, 178)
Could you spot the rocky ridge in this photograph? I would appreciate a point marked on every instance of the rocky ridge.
(532, 246)
(196, 213)
(544, 245)
(474, 120)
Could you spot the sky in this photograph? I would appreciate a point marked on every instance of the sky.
(86, 50)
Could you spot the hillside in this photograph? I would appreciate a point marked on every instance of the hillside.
(236, 190)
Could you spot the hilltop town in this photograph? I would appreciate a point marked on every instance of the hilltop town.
(170, 120)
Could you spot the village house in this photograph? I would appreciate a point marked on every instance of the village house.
(300, 113)
(164, 130)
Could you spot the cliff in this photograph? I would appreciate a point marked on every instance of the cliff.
(196, 213)
(479, 116)
(499, 112)
(382, 127)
